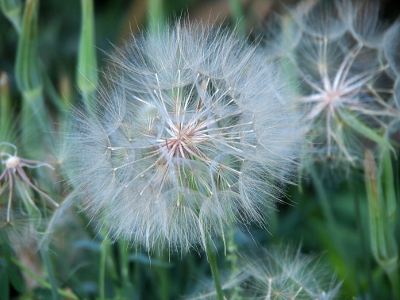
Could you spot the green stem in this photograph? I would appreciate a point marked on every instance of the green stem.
(155, 16)
(326, 207)
(103, 261)
(137, 276)
(214, 268)
(363, 237)
(394, 281)
(340, 255)
(124, 263)
(42, 281)
(50, 273)
(238, 15)
(164, 279)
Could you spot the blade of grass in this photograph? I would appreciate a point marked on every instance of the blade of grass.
(14, 277)
(12, 10)
(214, 268)
(362, 234)
(352, 121)
(87, 77)
(44, 282)
(29, 80)
(238, 17)
(4, 283)
(105, 250)
(383, 243)
(50, 273)
(7, 128)
(123, 248)
(155, 17)
(27, 69)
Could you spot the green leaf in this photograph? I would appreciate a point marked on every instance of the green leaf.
(6, 114)
(352, 121)
(386, 171)
(87, 78)
(155, 17)
(383, 243)
(4, 284)
(27, 70)
(238, 15)
(13, 274)
(43, 282)
(12, 10)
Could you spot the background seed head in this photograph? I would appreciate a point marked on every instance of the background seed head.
(193, 131)
(346, 66)
(277, 273)
(286, 273)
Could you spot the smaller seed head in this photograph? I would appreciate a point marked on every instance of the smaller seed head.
(13, 162)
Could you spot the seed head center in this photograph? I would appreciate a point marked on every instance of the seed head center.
(183, 142)
(333, 97)
(13, 162)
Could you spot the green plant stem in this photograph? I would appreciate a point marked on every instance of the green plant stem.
(237, 13)
(42, 281)
(137, 276)
(341, 259)
(124, 263)
(363, 237)
(163, 277)
(103, 262)
(214, 268)
(50, 272)
(155, 16)
(325, 205)
(87, 77)
(394, 281)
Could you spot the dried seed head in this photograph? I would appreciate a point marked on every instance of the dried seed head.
(286, 273)
(193, 132)
(345, 78)
(12, 162)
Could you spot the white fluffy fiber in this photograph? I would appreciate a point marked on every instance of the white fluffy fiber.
(193, 131)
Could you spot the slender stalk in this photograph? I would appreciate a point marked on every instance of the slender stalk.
(382, 211)
(214, 268)
(363, 236)
(44, 282)
(155, 16)
(238, 16)
(137, 276)
(163, 278)
(326, 207)
(394, 281)
(87, 77)
(340, 255)
(105, 245)
(50, 273)
(123, 248)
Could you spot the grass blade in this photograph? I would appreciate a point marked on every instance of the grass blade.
(87, 77)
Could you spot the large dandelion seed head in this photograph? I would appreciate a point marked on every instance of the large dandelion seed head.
(193, 132)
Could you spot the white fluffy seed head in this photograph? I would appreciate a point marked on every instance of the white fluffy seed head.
(193, 132)
(283, 273)
(346, 65)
